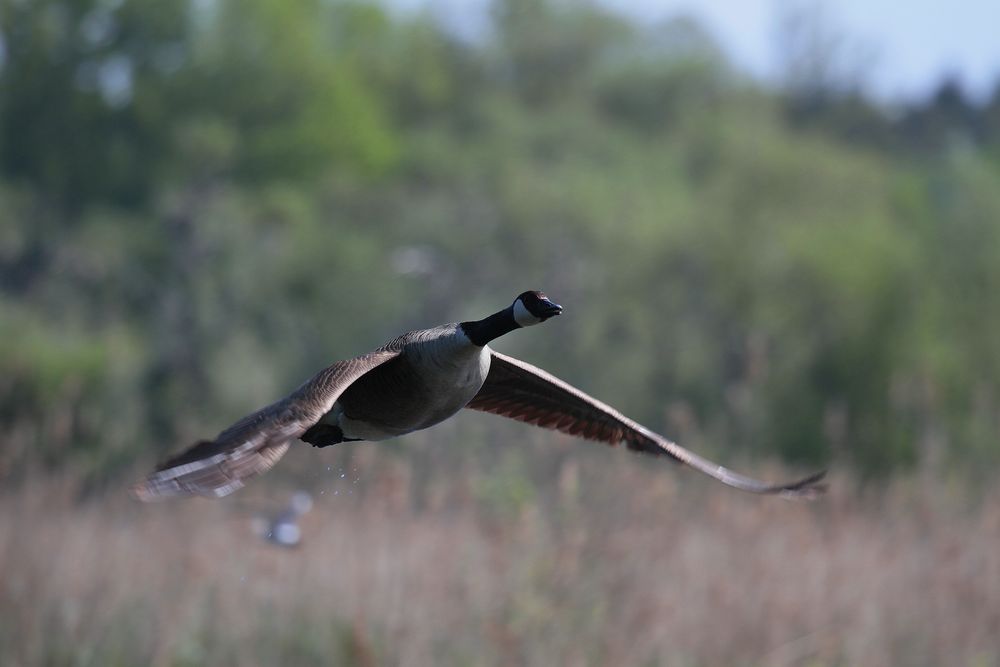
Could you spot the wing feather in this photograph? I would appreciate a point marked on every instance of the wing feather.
(521, 391)
(255, 443)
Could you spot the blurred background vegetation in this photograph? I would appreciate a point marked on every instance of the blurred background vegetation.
(204, 201)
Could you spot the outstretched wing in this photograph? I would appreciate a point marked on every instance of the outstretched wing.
(518, 390)
(254, 444)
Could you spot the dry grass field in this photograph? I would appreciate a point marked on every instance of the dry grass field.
(615, 563)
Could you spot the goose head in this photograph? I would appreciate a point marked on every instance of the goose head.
(533, 307)
(528, 308)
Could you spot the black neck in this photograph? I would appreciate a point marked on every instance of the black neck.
(483, 331)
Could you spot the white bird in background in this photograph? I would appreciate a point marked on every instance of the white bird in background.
(415, 381)
(283, 529)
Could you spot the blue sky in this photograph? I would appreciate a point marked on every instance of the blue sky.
(913, 42)
(909, 44)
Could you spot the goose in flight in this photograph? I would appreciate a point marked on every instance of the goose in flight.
(413, 382)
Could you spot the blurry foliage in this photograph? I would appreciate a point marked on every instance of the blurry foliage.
(203, 202)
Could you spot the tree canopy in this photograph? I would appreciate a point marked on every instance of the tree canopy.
(202, 202)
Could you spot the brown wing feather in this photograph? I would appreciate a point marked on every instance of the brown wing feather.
(255, 443)
(518, 390)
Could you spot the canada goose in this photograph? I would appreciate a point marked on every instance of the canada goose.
(415, 381)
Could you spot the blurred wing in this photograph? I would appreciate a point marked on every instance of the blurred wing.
(526, 393)
(254, 444)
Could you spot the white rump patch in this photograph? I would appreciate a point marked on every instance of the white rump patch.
(523, 316)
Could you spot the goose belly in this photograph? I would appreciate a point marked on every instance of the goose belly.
(392, 423)
(404, 397)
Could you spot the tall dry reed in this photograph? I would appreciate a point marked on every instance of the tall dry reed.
(613, 563)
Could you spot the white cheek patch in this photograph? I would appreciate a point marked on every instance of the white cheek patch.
(522, 316)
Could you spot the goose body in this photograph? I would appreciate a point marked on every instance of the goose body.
(437, 372)
(413, 382)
